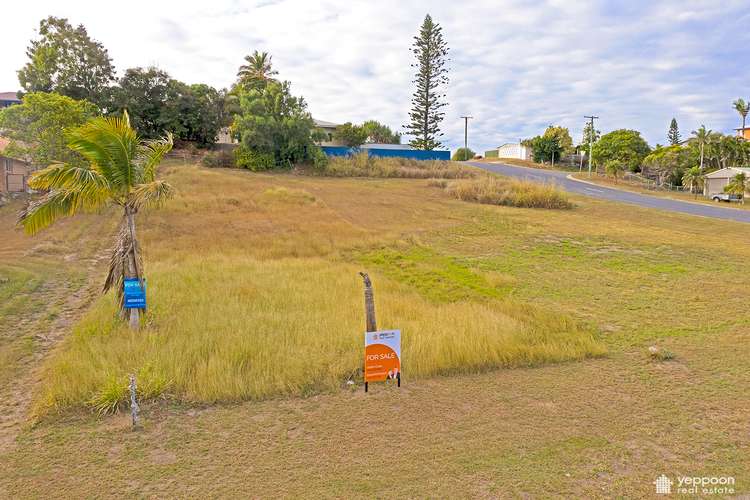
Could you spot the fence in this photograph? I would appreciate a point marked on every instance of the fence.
(414, 154)
(645, 183)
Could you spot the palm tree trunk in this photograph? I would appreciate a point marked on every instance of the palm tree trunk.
(132, 266)
(701, 157)
(371, 325)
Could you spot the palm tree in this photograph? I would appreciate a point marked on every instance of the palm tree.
(738, 185)
(693, 178)
(742, 108)
(257, 71)
(702, 137)
(120, 169)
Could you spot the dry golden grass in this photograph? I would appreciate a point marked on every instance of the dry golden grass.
(253, 294)
(493, 190)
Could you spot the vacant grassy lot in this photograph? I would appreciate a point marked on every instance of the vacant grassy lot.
(233, 318)
(600, 427)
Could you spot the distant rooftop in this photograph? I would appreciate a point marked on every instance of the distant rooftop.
(324, 124)
(9, 96)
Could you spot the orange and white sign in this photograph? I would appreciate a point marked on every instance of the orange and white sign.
(382, 355)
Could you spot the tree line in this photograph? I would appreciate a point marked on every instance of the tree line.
(70, 78)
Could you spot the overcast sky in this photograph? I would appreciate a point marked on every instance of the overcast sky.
(516, 66)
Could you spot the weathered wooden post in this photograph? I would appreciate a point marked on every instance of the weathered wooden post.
(371, 325)
(134, 409)
(369, 304)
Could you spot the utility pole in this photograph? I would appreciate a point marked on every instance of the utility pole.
(466, 133)
(591, 140)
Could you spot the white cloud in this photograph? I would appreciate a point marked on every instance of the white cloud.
(516, 66)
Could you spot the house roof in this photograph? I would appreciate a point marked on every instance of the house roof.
(324, 124)
(728, 172)
(9, 96)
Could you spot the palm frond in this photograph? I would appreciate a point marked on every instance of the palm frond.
(57, 204)
(149, 154)
(151, 194)
(109, 144)
(64, 176)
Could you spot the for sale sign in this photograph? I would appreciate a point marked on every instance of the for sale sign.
(382, 355)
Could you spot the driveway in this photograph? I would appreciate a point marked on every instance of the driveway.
(577, 187)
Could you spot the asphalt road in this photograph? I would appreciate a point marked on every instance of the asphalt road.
(577, 187)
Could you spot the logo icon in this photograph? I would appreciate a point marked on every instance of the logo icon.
(663, 485)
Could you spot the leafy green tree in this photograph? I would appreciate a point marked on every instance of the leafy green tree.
(701, 138)
(673, 136)
(350, 135)
(380, 134)
(274, 122)
(258, 71)
(431, 51)
(463, 154)
(158, 103)
(36, 127)
(144, 93)
(614, 168)
(544, 149)
(561, 135)
(120, 169)
(67, 61)
(738, 185)
(194, 112)
(742, 108)
(670, 163)
(693, 180)
(624, 145)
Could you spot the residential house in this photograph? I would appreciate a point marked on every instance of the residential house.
(744, 133)
(14, 173)
(715, 182)
(511, 150)
(328, 129)
(8, 99)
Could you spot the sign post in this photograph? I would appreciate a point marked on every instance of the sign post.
(134, 293)
(383, 356)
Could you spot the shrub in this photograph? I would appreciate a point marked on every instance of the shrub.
(493, 190)
(319, 158)
(221, 158)
(614, 168)
(253, 160)
(463, 154)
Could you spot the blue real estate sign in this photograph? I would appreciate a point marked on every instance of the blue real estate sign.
(134, 295)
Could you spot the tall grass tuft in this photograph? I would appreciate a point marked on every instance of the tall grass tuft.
(493, 190)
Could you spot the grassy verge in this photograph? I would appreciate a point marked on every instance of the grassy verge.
(637, 188)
